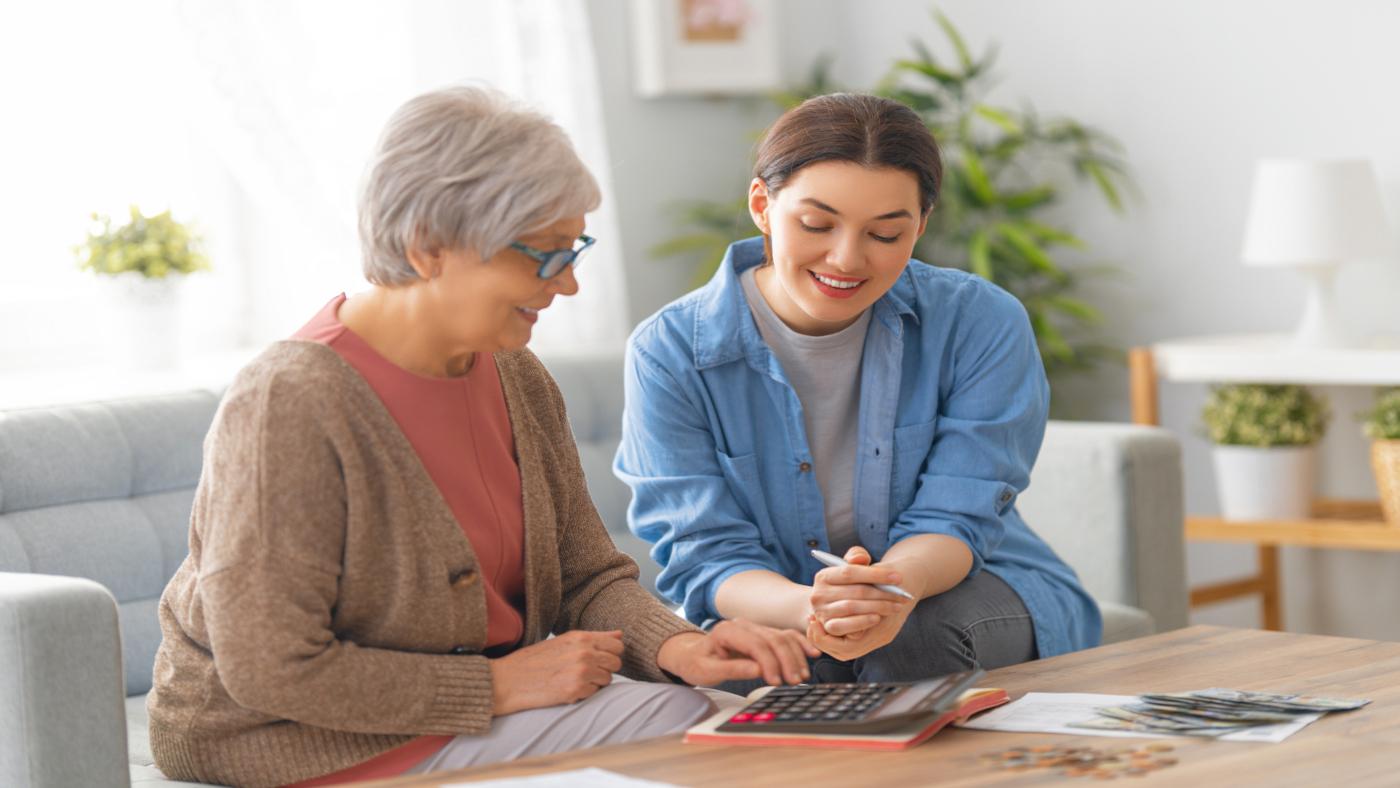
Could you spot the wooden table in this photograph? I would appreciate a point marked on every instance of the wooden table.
(1359, 748)
(1266, 358)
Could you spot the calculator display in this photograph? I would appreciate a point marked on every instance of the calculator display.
(849, 708)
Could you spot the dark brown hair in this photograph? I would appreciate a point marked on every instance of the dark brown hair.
(866, 130)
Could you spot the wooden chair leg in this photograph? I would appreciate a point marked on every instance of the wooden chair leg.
(1142, 386)
(1271, 595)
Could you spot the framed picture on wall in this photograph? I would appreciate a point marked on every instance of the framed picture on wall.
(704, 47)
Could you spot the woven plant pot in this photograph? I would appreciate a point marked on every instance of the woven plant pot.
(1385, 462)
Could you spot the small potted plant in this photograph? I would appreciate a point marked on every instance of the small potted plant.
(1383, 428)
(1264, 455)
(145, 261)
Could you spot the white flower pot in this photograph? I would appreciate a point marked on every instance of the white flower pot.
(146, 322)
(1265, 484)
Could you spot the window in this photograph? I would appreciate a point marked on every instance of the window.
(254, 121)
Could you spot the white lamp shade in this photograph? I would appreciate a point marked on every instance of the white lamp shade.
(1315, 212)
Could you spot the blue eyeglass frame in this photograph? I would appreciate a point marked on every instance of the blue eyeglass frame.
(553, 262)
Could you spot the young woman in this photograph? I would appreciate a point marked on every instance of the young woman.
(824, 391)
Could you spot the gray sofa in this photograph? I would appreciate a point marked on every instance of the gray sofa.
(94, 507)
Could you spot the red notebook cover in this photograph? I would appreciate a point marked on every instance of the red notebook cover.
(972, 701)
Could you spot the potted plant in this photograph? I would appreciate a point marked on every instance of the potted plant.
(145, 261)
(1383, 428)
(1264, 455)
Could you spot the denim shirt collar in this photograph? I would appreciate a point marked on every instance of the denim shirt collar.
(722, 313)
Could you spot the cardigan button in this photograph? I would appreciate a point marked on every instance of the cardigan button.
(463, 579)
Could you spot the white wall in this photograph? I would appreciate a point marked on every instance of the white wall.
(667, 150)
(1197, 90)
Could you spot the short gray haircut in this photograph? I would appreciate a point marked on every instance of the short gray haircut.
(465, 168)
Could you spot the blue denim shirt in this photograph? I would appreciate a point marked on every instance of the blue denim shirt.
(952, 413)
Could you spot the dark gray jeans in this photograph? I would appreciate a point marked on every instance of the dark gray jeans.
(978, 623)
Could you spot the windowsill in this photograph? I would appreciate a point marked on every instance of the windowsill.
(44, 388)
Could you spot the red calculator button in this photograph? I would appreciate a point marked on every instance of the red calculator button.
(763, 716)
(744, 717)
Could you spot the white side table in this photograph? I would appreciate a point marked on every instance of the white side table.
(1270, 358)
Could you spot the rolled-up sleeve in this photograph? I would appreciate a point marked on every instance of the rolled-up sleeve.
(991, 422)
(682, 501)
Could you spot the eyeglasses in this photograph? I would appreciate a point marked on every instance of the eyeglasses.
(555, 260)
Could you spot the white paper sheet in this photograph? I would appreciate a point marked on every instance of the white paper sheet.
(1051, 712)
(574, 778)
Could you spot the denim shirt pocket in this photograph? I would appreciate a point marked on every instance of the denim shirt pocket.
(741, 474)
(912, 445)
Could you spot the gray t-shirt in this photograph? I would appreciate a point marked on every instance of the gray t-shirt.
(825, 373)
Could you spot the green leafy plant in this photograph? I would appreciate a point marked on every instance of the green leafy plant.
(1264, 415)
(1003, 169)
(153, 246)
(1383, 421)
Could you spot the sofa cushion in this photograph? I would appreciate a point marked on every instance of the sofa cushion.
(1121, 622)
(138, 732)
(104, 491)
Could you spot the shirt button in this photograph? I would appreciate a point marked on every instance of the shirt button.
(1006, 496)
(812, 543)
(804, 467)
(463, 579)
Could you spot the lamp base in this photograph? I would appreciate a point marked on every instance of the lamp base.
(1322, 325)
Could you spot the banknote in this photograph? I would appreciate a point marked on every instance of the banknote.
(1269, 699)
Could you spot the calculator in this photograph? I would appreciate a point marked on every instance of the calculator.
(875, 707)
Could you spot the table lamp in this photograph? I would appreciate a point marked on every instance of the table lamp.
(1313, 215)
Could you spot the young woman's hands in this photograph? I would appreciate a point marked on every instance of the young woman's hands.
(562, 669)
(848, 647)
(846, 602)
(737, 649)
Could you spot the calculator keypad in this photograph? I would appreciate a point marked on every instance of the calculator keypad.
(819, 703)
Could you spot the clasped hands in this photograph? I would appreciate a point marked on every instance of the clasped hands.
(850, 616)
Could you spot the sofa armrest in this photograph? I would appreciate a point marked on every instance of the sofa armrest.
(62, 717)
(1108, 499)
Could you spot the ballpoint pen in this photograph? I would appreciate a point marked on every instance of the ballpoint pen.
(831, 560)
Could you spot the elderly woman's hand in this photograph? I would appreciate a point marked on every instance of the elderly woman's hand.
(737, 650)
(563, 669)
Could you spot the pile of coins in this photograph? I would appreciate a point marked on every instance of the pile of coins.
(1102, 764)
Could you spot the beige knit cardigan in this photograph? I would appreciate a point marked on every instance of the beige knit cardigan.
(330, 607)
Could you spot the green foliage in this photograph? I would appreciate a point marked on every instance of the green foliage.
(1383, 421)
(1003, 168)
(153, 246)
(1264, 415)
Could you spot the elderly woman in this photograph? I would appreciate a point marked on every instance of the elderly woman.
(393, 518)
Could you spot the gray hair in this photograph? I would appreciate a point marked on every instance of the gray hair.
(465, 168)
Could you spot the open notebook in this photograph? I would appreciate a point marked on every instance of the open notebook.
(918, 730)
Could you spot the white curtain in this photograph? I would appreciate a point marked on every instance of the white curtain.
(255, 119)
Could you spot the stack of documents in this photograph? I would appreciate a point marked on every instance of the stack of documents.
(1083, 714)
(1211, 712)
